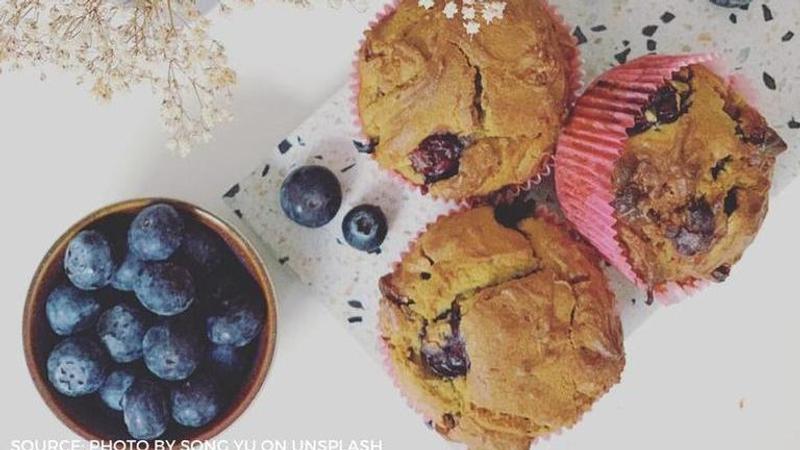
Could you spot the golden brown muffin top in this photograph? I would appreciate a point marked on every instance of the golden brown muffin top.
(464, 115)
(500, 334)
(693, 181)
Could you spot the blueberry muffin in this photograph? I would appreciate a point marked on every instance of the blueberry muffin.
(692, 183)
(464, 116)
(500, 334)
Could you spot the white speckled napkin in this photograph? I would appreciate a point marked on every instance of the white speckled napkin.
(757, 42)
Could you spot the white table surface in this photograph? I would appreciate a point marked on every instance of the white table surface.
(718, 371)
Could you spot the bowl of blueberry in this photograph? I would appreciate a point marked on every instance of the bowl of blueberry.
(149, 319)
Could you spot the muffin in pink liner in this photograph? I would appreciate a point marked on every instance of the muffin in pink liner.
(666, 169)
(465, 117)
(498, 326)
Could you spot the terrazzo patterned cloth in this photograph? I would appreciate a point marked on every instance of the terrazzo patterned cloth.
(758, 42)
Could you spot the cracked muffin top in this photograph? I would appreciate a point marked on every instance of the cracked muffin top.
(464, 116)
(693, 181)
(500, 334)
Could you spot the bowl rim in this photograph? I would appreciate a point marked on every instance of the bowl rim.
(253, 260)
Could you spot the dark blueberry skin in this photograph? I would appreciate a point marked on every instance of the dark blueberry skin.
(196, 401)
(731, 3)
(127, 273)
(222, 287)
(172, 351)
(236, 321)
(165, 288)
(311, 196)
(437, 157)
(71, 310)
(145, 409)
(77, 366)
(697, 233)
(225, 361)
(203, 249)
(155, 233)
(89, 262)
(449, 361)
(113, 390)
(121, 329)
(364, 228)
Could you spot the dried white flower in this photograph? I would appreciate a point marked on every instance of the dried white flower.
(472, 27)
(492, 11)
(450, 10)
(117, 44)
(113, 45)
(472, 12)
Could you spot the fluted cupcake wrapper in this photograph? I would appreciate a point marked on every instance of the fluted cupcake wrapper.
(575, 82)
(592, 143)
(427, 413)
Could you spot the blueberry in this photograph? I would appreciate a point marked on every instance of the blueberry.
(156, 232)
(145, 409)
(89, 262)
(127, 272)
(697, 233)
(121, 329)
(70, 310)
(115, 386)
(172, 351)
(204, 250)
(77, 366)
(195, 402)
(236, 321)
(731, 3)
(364, 227)
(311, 196)
(226, 361)
(447, 361)
(438, 157)
(165, 288)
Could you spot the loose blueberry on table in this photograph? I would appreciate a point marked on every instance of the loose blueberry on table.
(731, 3)
(311, 196)
(364, 228)
(195, 340)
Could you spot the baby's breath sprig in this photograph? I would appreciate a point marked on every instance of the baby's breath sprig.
(472, 12)
(116, 44)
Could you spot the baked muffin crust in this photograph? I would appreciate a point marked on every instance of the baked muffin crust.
(500, 335)
(464, 116)
(692, 184)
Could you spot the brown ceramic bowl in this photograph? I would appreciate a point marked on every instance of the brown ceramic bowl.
(88, 416)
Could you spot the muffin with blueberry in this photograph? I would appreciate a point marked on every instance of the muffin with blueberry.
(500, 334)
(462, 115)
(689, 187)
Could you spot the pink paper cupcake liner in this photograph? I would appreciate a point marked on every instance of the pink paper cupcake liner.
(575, 82)
(592, 143)
(541, 212)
